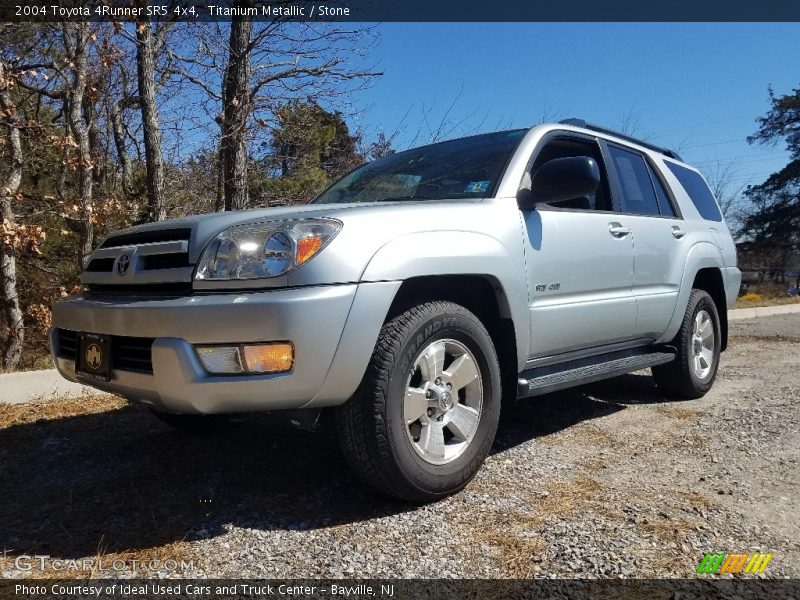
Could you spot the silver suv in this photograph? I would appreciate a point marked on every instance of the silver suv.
(416, 294)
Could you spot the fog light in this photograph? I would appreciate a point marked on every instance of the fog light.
(220, 359)
(273, 357)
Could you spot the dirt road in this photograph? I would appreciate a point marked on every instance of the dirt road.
(606, 480)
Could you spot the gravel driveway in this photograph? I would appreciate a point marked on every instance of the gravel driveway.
(610, 479)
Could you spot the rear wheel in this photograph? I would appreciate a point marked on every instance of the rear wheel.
(425, 415)
(698, 343)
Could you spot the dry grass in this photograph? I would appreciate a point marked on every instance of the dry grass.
(59, 408)
(749, 298)
(565, 497)
(514, 535)
(753, 300)
(677, 412)
(670, 529)
(591, 433)
(696, 440)
(593, 464)
(517, 551)
(666, 531)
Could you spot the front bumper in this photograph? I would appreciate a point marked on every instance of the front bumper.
(333, 329)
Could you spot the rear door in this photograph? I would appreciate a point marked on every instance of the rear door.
(657, 235)
(579, 257)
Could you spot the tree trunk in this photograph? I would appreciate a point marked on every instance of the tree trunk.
(235, 111)
(146, 68)
(122, 151)
(219, 200)
(11, 310)
(77, 35)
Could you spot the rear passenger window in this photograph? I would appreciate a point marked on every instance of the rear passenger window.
(638, 195)
(698, 191)
(664, 205)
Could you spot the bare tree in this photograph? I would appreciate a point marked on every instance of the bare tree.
(146, 46)
(69, 83)
(722, 181)
(266, 65)
(116, 116)
(64, 76)
(236, 109)
(76, 39)
(11, 310)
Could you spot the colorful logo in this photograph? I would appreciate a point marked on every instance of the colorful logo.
(744, 562)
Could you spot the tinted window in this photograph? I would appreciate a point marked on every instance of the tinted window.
(638, 195)
(698, 191)
(664, 205)
(463, 168)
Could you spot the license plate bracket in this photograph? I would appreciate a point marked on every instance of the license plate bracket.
(94, 356)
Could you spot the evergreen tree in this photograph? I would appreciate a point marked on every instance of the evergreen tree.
(772, 225)
(310, 149)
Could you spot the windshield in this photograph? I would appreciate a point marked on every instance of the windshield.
(463, 168)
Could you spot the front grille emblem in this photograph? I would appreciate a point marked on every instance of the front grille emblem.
(123, 263)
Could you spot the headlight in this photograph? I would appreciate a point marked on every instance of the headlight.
(264, 249)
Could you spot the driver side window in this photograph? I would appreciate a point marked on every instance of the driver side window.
(567, 147)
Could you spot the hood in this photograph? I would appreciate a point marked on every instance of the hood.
(204, 227)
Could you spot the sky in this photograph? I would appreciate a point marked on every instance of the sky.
(696, 88)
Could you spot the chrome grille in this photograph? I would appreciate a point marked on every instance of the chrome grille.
(140, 261)
(146, 237)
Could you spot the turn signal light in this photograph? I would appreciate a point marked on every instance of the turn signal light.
(306, 248)
(272, 357)
(268, 358)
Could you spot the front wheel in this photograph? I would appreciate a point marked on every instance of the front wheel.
(424, 417)
(698, 343)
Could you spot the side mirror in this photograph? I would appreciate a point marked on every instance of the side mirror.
(561, 179)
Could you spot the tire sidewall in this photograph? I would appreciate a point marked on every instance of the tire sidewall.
(466, 329)
(704, 302)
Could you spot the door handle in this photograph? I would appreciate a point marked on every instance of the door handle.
(618, 230)
(677, 232)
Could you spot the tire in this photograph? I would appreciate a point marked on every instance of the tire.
(192, 424)
(408, 459)
(690, 376)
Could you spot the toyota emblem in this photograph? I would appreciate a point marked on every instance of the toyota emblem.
(123, 263)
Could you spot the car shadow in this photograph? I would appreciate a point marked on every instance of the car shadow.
(120, 480)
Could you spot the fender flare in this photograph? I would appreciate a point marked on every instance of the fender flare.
(432, 253)
(702, 255)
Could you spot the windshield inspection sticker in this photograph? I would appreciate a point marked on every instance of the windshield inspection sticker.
(476, 186)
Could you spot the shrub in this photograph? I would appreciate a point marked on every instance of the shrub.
(750, 297)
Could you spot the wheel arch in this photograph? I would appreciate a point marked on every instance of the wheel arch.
(481, 294)
(703, 270)
(710, 280)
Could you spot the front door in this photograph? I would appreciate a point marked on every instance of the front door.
(579, 257)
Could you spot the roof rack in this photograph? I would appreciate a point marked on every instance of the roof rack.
(628, 138)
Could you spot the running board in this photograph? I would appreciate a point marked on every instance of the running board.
(534, 385)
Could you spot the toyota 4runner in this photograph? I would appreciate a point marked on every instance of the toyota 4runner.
(417, 293)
